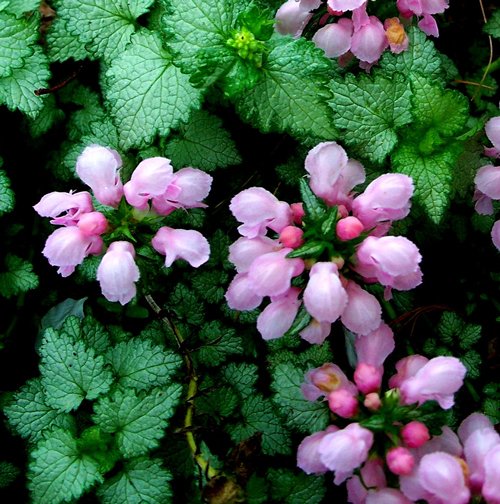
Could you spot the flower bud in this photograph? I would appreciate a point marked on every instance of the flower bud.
(372, 401)
(93, 223)
(343, 403)
(291, 237)
(415, 434)
(349, 228)
(367, 378)
(400, 461)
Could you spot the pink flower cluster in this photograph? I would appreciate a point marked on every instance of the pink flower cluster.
(384, 432)
(362, 36)
(153, 190)
(357, 245)
(488, 179)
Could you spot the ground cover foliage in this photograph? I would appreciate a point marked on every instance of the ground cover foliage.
(172, 395)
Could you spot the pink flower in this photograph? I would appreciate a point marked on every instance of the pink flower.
(307, 452)
(118, 272)
(345, 5)
(278, 316)
(421, 7)
(372, 401)
(429, 26)
(185, 244)
(441, 480)
(332, 175)
(72, 205)
(345, 450)
(437, 380)
(373, 476)
(99, 168)
(93, 223)
(415, 434)
(240, 295)
(492, 129)
(400, 461)
(386, 496)
(334, 38)
(392, 260)
(406, 368)
(271, 274)
(293, 16)
(244, 251)
(491, 486)
(325, 379)
(187, 188)
(374, 348)
(487, 181)
(387, 198)
(316, 332)
(324, 297)
(369, 42)
(363, 312)
(67, 247)
(257, 209)
(396, 35)
(150, 179)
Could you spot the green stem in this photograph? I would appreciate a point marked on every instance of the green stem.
(472, 391)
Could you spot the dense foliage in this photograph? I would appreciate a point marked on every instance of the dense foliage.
(215, 215)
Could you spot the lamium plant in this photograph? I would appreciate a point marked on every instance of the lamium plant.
(250, 251)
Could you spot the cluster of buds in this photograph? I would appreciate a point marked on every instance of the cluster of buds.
(387, 435)
(337, 238)
(153, 192)
(488, 179)
(361, 35)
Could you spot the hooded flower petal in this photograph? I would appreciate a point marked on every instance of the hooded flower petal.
(257, 209)
(363, 312)
(307, 452)
(487, 181)
(334, 38)
(376, 346)
(67, 247)
(293, 16)
(278, 316)
(370, 41)
(325, 379)
(491, 486)
(345, 5)
(316, 332)
(324, 297)
(99, 168)
(149, 179)
(244, 251)
(240, 295)
(118, 272)
(72, 205)
(437, 381)
(185, 244)
(492, 129)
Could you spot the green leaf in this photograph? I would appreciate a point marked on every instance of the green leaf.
(259, 416)
(295, 488)
(30, 415)
(472, 361)
(17, 39)
(62, 44)
(203, 143)
(70, 371)
(17, 90)
(314, 207)
(146, 93)
(210, 285)
(7, 196)
(59, 472)
(107, 24)
(444, 111)
(242, 377)
(371, 110)
(492, 27)
(18, 278)
(142, 481)
(421, 56)
(94, 335)
(186, 305)
(291, 94)
(8, 473)
(471, 334)
(301, 321)
(138, 420)
(195, 26)
(18, 7)
(310, 249)
(218, 343)
(140, 364)
(47, 118)
(217, 403)
(432, 174)
(450, 326)
(299, 413)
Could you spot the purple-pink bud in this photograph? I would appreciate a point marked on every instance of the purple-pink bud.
(297, 213)
(372, 401)
(400, 461)
(367, 378)
(343, 403)
(93, 223)
(415, 434)
(349, 228)
(291, 237)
